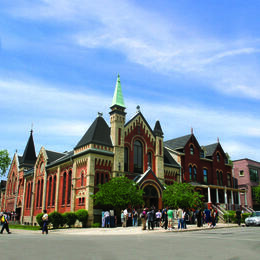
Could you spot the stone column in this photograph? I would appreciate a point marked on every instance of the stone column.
(24, 192)
(225, 192)
(239, 201)
(217, 197)
(232, 198)
(57, 189)
(73, 186)
(44, 191)
(209, 197)
(90, 188)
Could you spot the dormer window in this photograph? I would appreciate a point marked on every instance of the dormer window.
(202, 154)
(191, 149)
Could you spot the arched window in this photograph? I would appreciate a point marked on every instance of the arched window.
(49, 193)
(218, 157)
(229, 180)
(191, 149)
(64, 188)
(41, 193)
(150, 160)
(126, 159)
(220, 178)
(38, 193)
(28, 195)
(190, 172)
(106, 177)
(138, 157)
(102, 178)
(30, 198)
(97, 178)
(54, 190)
(217, 177)
(69, 188)
(82, 179)
(205, 176)
(194, 173)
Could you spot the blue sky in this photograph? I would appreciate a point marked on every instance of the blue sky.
(187, 63)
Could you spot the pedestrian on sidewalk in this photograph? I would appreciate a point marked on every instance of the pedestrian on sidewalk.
(4, 223)
(213, 218)
(180, 218)
(170, 218)
(238, 215)
(143, 217)
(45, 222)
(165, 218)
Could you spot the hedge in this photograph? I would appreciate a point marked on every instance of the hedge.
(39, 219)
(82, 216)
(69, 218)
(56, 219)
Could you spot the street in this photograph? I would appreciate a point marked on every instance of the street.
(229, 243)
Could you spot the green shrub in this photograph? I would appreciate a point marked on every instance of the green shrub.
(56, 219)
(230, 217)
(96, 225)
(69, 218)
(244, 216)
(82, 216)
(39, 219)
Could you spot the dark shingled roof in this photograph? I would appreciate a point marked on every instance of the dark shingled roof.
(65, 157)
(210, 149)
(177, 143)
(53, 156)
(168, 159)
(20, 159)
(157, 129)
(98, 133)
(29, 155)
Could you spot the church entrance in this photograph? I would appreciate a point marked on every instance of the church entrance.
(150, 196)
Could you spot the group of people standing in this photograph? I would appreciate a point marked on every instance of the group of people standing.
(129, 217)
(208, 216)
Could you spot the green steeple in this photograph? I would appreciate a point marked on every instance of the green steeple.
(118, 96)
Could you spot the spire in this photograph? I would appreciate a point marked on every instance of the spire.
(29, 155)
(191, 130)
(157, 129)
(118, 96)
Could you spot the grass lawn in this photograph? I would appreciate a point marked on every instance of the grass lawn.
(24, 227)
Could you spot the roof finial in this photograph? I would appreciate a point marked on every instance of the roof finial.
(32, 129)
(100, 114)
(137, 109)
(191, 130)
(218, 139)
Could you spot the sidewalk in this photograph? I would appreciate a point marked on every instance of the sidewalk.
(121, 231)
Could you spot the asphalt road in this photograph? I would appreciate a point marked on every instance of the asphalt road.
(230, 243)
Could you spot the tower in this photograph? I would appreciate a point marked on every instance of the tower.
(117, 122)
(159, 163)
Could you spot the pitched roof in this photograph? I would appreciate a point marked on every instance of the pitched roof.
(177, 143)
(168, 159)
(53, 156)
(118, 95)
(66, 156)
(98, 133)
(29, 155)
(157, 129)
(210, 149)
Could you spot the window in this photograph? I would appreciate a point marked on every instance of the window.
(49, 196)
(69, 187)
(218, 157)
(191, 149)
(82, 179)
(253, 175)
(119, 136)
(190, 172)
(150, 160)
(28, 195)
(217, 177)
(138, 157)
(194, 173)
(126, 159)
(41, 193)
(54, 190)
(229, 180)
(241, 173)
(64, 188)
(38, 194)
(220, 178)
(97, 178)
(202, 154)
(205, 176)
(102, 178)
(106, 178)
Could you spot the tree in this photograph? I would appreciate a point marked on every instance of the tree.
(4, 162)
(181, 195)
(257, 193)
(118, 193)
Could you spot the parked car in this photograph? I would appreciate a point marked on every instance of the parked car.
(254, 219)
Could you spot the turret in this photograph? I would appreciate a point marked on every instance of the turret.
(159, 164)
(117, 121)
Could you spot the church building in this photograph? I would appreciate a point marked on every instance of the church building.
(65, 181)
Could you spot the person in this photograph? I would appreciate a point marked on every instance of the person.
(170, 219)
(107, 218)
(158, 216)
(150, 218)
(185, 216)
(213, 218)
(45, 222)
(125, 217)
(122, 217)
(180, 218)
(198, 215)
(135, 218)
(238, 215)
(207, 214)
(165, 218)
(143, 217)
(129, 220)
(4, 223)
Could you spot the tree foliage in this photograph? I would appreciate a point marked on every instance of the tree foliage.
(257, 193)
(119, 192)
(4, 161)
(181, 195)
